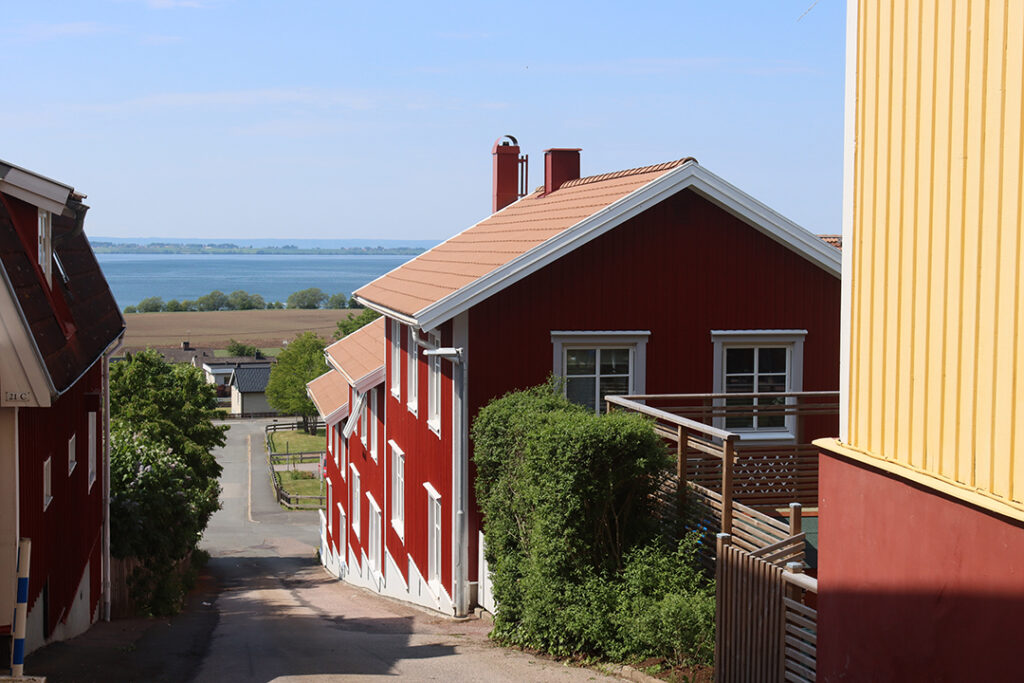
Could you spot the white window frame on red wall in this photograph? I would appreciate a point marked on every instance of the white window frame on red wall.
(396, 359)
(72, 453)
(434, 538)
(412, 372)
(354, 496)
(47, 482)
(434, 386)
(44, 249)
(633, 340)
(91, 432)
(397, 490)
(373, 540)
(372, 399)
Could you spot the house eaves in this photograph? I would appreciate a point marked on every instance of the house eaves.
(35, 189)
(689, 175)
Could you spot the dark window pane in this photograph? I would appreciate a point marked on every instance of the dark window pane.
(742, 418)
(766, 417)
(614, 386)
(581, 390)
(739, 384)
(771, 360)
(580, 361)
(739, 360)
(771, 383)
(614, 361)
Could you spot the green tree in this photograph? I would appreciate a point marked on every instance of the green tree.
(236, 348)
(337, 301)
(152, 304)
(277, 306)
(310, 298)
(302, 362)
(214, 301)
(349, 325)
(173, 306)
(131, 309)
(240, 300)
(188, 305)
(172, 404)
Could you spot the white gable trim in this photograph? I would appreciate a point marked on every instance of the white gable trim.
(24, 379)
(35, 189)
(688, 175)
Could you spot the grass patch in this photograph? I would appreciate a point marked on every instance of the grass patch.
(300, 483)
(296, 442)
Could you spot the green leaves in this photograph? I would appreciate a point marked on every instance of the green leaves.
(302, 362)
(349, 325)
(575, 552)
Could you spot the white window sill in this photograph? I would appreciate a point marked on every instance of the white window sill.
(399, 528)
(435, 426)
(47, 501)
(396, 393)
(92, 479)
(72, 466)
(766, 437)
(413, 408)
(355, 530)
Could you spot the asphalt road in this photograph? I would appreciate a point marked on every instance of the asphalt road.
(266, 611)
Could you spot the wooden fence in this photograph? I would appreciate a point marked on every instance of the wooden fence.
(765, 630)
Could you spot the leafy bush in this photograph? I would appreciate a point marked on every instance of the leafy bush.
(578, 563)
(347, 326)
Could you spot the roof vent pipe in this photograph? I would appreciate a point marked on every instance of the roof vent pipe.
(561, 164)
(510, 173)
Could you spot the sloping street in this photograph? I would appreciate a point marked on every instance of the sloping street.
(266, 611)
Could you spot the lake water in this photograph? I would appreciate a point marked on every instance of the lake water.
(133, 277)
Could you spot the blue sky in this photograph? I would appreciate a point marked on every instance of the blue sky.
(233, 119)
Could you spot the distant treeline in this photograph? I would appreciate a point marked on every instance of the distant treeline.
(240, 300)
(228, 248)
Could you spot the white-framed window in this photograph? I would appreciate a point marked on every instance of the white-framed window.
(47, 482)
(748, 362)
(44, 251)
(72, 453)
(362, 421)
(340, 520)
(396, 359)
(373, 542)
(372, 398)
(356, 500)
(412, 371)
(330, 496)
(433, 538)
(595, 364)
(397, 489)
(340, 448)
(434, 386)
(91, 423)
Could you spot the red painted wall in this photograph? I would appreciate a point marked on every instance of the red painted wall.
(914, 585)
(680, 270)
(66, 536)
(428, 458)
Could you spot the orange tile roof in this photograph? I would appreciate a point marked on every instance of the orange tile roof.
(360, 353)
(834, 240)
(500, 238)
(329, 392)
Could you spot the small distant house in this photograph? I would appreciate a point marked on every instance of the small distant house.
(658, 279)
(248, 390)
(217, 371)
(59, 324)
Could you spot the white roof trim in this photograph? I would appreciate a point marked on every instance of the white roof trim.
(35, 189)
(688, 175)
(337, 416)
(370, 380)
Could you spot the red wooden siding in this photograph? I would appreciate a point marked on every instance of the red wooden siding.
(66, 536)
(427, 459)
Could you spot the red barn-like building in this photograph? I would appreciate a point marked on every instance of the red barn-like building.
(58, 324)
(631, 282)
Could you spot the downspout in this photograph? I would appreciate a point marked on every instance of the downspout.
(460, 481)
(105, 559)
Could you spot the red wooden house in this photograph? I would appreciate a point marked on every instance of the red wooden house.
(650, 280)
(58, 325)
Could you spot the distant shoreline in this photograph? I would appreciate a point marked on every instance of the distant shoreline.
(101, 247)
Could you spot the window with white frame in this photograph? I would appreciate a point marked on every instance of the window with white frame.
(342, 451)
(362, 421)
(412, 371)
(372, 398)
(751, 363)
(91, 432)
(396, 359)
(72, 453)
(340, 521)
(597, 364)
(330, 496)
(397, 489)
(47, 482)
(44, 251)
(433, 538)
(373, 542)
(434, 386)
(356, 501)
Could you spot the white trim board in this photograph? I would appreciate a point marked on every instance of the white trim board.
(689, 175)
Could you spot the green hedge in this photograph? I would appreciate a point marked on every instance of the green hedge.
(578, 563)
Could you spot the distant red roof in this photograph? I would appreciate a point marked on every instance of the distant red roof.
(835, 240)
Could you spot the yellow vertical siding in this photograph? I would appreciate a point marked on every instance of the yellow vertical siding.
(936, 363)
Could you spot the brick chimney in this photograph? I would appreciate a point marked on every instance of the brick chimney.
(508, 186)
(561, 164)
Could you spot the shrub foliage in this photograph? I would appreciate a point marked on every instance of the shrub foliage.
(578, 563)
